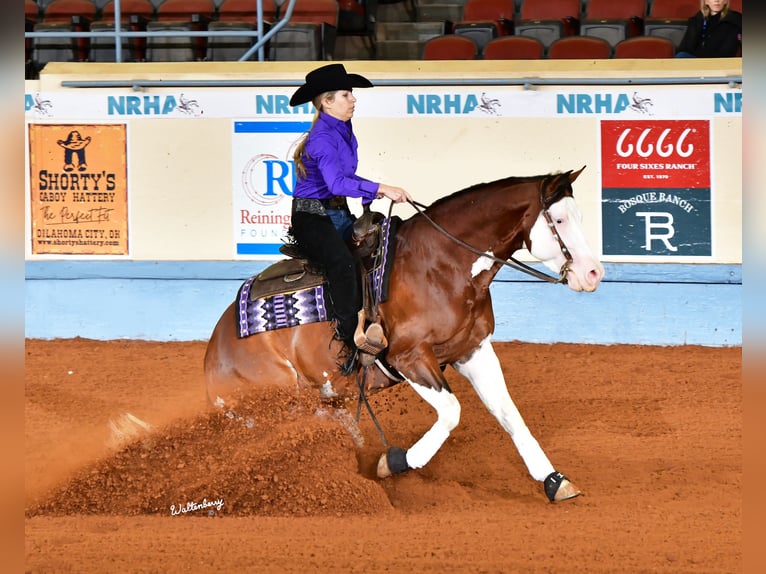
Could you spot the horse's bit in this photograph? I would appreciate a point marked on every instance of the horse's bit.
(513, 263)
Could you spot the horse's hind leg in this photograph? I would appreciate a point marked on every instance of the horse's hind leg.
(485, 373)
(447, 409)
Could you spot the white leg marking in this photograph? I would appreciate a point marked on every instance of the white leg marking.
(484, 371)
(448, 416)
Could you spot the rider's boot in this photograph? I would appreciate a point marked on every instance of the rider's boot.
(372, 340)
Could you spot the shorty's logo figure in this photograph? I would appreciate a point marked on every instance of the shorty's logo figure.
(74, 146)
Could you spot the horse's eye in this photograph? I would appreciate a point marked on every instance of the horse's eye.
(559, 221)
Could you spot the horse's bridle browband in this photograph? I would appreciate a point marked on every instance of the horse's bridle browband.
(512, 261)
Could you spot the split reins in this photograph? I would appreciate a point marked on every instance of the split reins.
(512, 262)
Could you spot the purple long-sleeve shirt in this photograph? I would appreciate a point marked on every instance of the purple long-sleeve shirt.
(331, 159)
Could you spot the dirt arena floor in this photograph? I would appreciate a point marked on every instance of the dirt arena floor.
(127, 470)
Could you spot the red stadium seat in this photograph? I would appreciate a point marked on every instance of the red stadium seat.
(514, 48)
(310, 34)
(579, 48)
(669, 18)
(614, 20)
(548, 20)
(238, 15)
(450, 47)
(484, 20)
(62, 16)
(134, 16)
(645, 47)
(179, 15)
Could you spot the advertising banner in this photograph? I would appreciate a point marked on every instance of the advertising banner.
(78, 189)
(263, 179)
(656, 187)
(474, 102)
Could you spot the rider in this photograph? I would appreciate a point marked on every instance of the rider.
(325, 164)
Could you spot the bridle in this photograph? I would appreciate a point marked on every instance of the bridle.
(512, 261)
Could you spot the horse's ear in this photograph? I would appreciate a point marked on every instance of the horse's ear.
(573, 175)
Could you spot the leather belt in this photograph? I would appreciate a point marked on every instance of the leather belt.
(319, 206)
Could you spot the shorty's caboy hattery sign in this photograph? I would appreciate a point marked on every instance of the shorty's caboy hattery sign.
(656, 187)
(78, 184)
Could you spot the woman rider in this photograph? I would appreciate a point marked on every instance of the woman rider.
(326, 162)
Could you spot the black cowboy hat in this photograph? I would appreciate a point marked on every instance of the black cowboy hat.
(328, 78)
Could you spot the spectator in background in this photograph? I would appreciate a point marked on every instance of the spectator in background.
(713, 32)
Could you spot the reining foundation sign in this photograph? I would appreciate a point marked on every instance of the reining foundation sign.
(78, 183)
(263, 178)
(656, 196)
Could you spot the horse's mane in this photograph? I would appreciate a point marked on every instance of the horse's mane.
(504, 182)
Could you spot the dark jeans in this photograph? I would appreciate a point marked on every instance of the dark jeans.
(318, 238)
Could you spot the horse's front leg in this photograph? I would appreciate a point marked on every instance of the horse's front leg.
(447, 407)
(483, 369)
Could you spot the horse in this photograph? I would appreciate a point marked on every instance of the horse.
(438, 312)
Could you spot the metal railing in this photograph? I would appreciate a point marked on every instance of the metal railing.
(118, 34)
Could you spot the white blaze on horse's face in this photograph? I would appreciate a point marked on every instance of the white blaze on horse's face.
(585, 271)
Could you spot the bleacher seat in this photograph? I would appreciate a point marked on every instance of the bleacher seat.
(548, 20)
(31, 17)
(514, 48)
(484, 20)
(614, 20)
(134, 17)
(669, 18)
(310, 34)
(358, 18)
(450, 47)
(645, 47)
(579, 48)
(179, 16)
(63, 16)
(238, 15)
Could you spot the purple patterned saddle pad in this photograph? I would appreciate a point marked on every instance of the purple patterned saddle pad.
(286, 294)
(289, 293)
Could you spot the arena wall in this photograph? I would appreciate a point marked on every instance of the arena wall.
(182, 190)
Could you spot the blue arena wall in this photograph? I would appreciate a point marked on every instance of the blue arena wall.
(654, 304)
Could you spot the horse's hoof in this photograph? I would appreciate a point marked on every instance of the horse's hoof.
(566, 490)
(383, 470)
(393, 461)
(558, 487)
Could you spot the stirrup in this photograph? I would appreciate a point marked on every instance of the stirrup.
(373, 340)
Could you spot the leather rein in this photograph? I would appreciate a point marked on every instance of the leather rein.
(512, 262)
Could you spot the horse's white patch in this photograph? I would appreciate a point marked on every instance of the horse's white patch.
(448, 416)
(219, 402)
(483, 369)
(327, 392)
(482, 264)
(585, 271)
